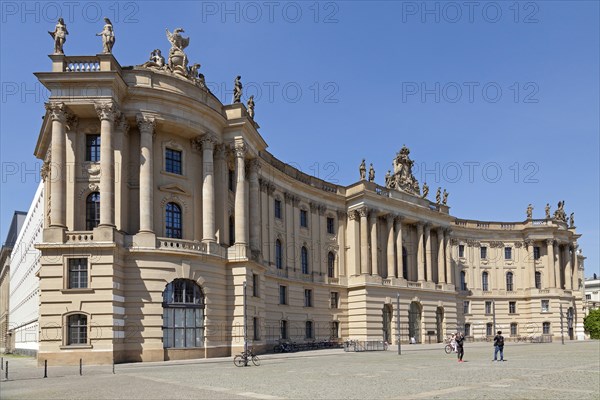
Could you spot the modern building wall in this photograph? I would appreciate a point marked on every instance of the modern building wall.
(24, 283)
(193, 205)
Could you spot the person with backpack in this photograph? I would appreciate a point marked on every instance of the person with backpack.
(459, 346)
(499, 346)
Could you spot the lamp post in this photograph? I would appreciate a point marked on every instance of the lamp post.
(398, 322)
(562, 332)
(245, 329)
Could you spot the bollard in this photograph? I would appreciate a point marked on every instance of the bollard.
(45, 368)
(80, 367)
(6, 371)
(2, 363)
(113, 367)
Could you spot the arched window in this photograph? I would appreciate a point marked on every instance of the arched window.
(509, 281)
(92, 211)
(173, 221)
(484, 282)
(304, 259)
(463, 280)
(278, 254)
(77, 329)
(538, 280)
(330, 265)
(183, 314)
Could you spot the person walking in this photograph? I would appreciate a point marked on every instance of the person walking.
(459, 346)
(499, 346)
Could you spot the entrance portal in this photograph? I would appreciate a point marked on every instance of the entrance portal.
(414, 322)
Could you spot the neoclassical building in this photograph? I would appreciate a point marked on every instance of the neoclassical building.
(161, 202)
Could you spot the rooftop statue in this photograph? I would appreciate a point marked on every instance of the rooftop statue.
(371, 173)
(572, 220)
(388, 179)
(59, 35)
(438, 195)
(237, 90)
(251, 107)
(425, 190)
(363, 170)
(108, 36)
(177, 58)
(529, 211)
(403, 178)
(445, 198)
(560, 214)
(547, 211)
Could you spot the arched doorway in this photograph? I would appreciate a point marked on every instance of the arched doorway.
(387, 323)
(414, 321)
(439, 324)
(183, 315)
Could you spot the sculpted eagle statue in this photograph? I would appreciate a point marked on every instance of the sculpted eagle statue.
(176, 40)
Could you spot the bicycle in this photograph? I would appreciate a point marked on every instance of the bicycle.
(241, 360)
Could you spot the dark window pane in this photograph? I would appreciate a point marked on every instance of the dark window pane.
(92, 211)
(173, 161)
(92, 148)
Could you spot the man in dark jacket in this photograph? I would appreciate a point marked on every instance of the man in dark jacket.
(499, 346)
(459, 346)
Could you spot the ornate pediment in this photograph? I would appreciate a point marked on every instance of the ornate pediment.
(403, 178)
(173, 188)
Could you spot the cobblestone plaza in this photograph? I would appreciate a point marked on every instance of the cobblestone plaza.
(531, 371)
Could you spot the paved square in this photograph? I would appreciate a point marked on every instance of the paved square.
(532, 371)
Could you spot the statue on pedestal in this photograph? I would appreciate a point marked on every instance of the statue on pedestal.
(572, 220)
(560, 214)
(251, 107)
(237, 90)
(178, 60)
(108, 36)
(371, 173)
(438, 195)
(425, 190)
(529, 211)
(547, 211)
(388, 179)
(363, 170)
(445, 199)
(156, 60)
(59, 35)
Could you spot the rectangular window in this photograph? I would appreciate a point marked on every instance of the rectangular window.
(78, 273)
(461, 250)
(255, 283)
(488, 307)
(484, 253)
(485, 282)
(278, 208)
(545, 305)
(508, 253)
(330, 225)
(307, 297)
(466, 306)
(513, 329)
(489, 329)
(334, 300)
(335, 328)
(588, 296)
(282, 294)
(77, 329)
(256, 328)
(467, 329)
(546, 328)
(538, 280)
(231, 180)
(92, 148)
(283, 331)
(309, 330)
(536, 253)
(303, 218)
(512, 307)
(173, 161)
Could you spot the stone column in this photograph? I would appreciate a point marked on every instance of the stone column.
(58, 168)
(399, 257)
(440, 258)
(391, 258)
(568, 272)
(428, 258)
(550, 279)
(557, 276)
(107, 112)
(354, 241)
(221, 195)
(575, 266)
(420, 258)
(208, 142)
(341, 265)
(146, 126)
(290, 246)
(241, 226)
(529, 245)
(364, 241)
(121, 163)
(255, 222)
(374, 241)
(448, 240)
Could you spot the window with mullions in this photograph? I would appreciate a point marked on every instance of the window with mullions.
(303, 218)
(489, 329)
(307, 297)
(304, 259)
(77, 326)
(330, 225)
(335, 328)
(463, 280)
(536, 253)
(538, 280)
(173, 221)
(173, 161)
(92, 211)
(309, 330)
(78, 273)
(183, 314)
(278, 254)
(513, 329)
(277, 208)
(546, 328)
(509, 281)
(330, 265)
(483, 254)
(508, 253)
(92, 148)
(485, 281)
(488, 307)
(512, 307)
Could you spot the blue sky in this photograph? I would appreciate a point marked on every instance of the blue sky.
(498, 101)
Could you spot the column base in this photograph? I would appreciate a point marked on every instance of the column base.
(144, 239)
(55, 234)
(104, 233)
(238, 252)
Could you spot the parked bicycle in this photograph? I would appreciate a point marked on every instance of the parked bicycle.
(285, 347)
(241, 360)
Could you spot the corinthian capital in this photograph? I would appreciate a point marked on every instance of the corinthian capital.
(353, 215)
(145, 124)
(363, 211)
(106, 111)
(208, 141)
(254, 166)
(57, 110)
(240, 149)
